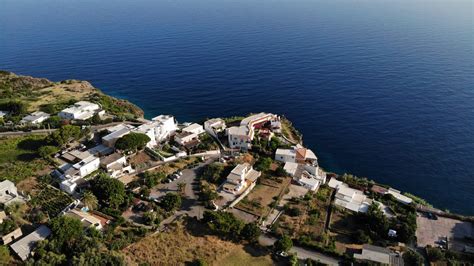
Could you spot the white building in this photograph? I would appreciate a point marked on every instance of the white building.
(308, 176)
(184, 138)
(35, 118)
(25, 246)
(71, 174)
(87, 219)
(381, 255)
(116, 165)
(241, 137)
(9, 193)
(194, 128)
(165, 126)
(214, 126)
(297, 154)
(399, 197)
(115, 133)
(242, 176)
(149, 130)
(80, 111)
(309, 182)
(349, 198)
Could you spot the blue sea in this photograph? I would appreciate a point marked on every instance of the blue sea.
(382, 89)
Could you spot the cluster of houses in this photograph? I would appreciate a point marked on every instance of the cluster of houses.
(356, 201)
(81, 111)
(265, 124)
(302, 164)
(79, 163)
(23, 245)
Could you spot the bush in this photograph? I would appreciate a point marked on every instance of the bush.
(47, 151)
(434, 254)
(283, 244)
(412, 258)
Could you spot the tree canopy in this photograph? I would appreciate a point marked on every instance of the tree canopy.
(132, 142)
(65, 134)
(109, 190)
(283, 244)
(171, 202)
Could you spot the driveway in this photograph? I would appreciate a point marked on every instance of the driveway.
(301, 253)
(190, 206)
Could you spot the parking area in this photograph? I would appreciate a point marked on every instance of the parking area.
(431, 231)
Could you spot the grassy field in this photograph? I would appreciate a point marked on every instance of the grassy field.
(258, 201)
(18, 158)
(306, 217)
(178, 246)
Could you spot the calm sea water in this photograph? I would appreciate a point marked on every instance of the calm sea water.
(383, 89)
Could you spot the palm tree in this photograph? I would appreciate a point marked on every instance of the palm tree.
(90, 200)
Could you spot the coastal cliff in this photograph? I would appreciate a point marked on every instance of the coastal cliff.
(48, 96)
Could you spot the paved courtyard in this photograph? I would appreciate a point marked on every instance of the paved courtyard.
(429, 231)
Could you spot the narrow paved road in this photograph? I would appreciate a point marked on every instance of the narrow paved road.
(47, 131)
(301, 253)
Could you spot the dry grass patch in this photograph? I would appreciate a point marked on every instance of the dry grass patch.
(178, 246)
(259, 200)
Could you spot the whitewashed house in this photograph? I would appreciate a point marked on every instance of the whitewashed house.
(165, 127)
(80, 111)
(87, 219)
(242, 176)
(72, 174)
(241, 137)
(35, 118)
(149, 130)
(184, 138)
(115, 133)
(116, 165)
(349, 198)
(297, 154)
(194, 128)
(214, 126)
(9, 194)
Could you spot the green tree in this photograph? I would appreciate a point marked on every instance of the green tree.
(251, 232)
(434, 254)
(65, 134)
(263, 164)
(109, 190)
(90, 200)
(283, 244)
(5, 257)
(224, 224)
(95, 257)
(213, 172)
(132, 142)
(171, 202)
(54, 121)
(412, 258)
(14, 107)
(47, 151)
(65, 231)
(152, 179)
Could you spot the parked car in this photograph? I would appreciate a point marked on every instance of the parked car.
(432, 216)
